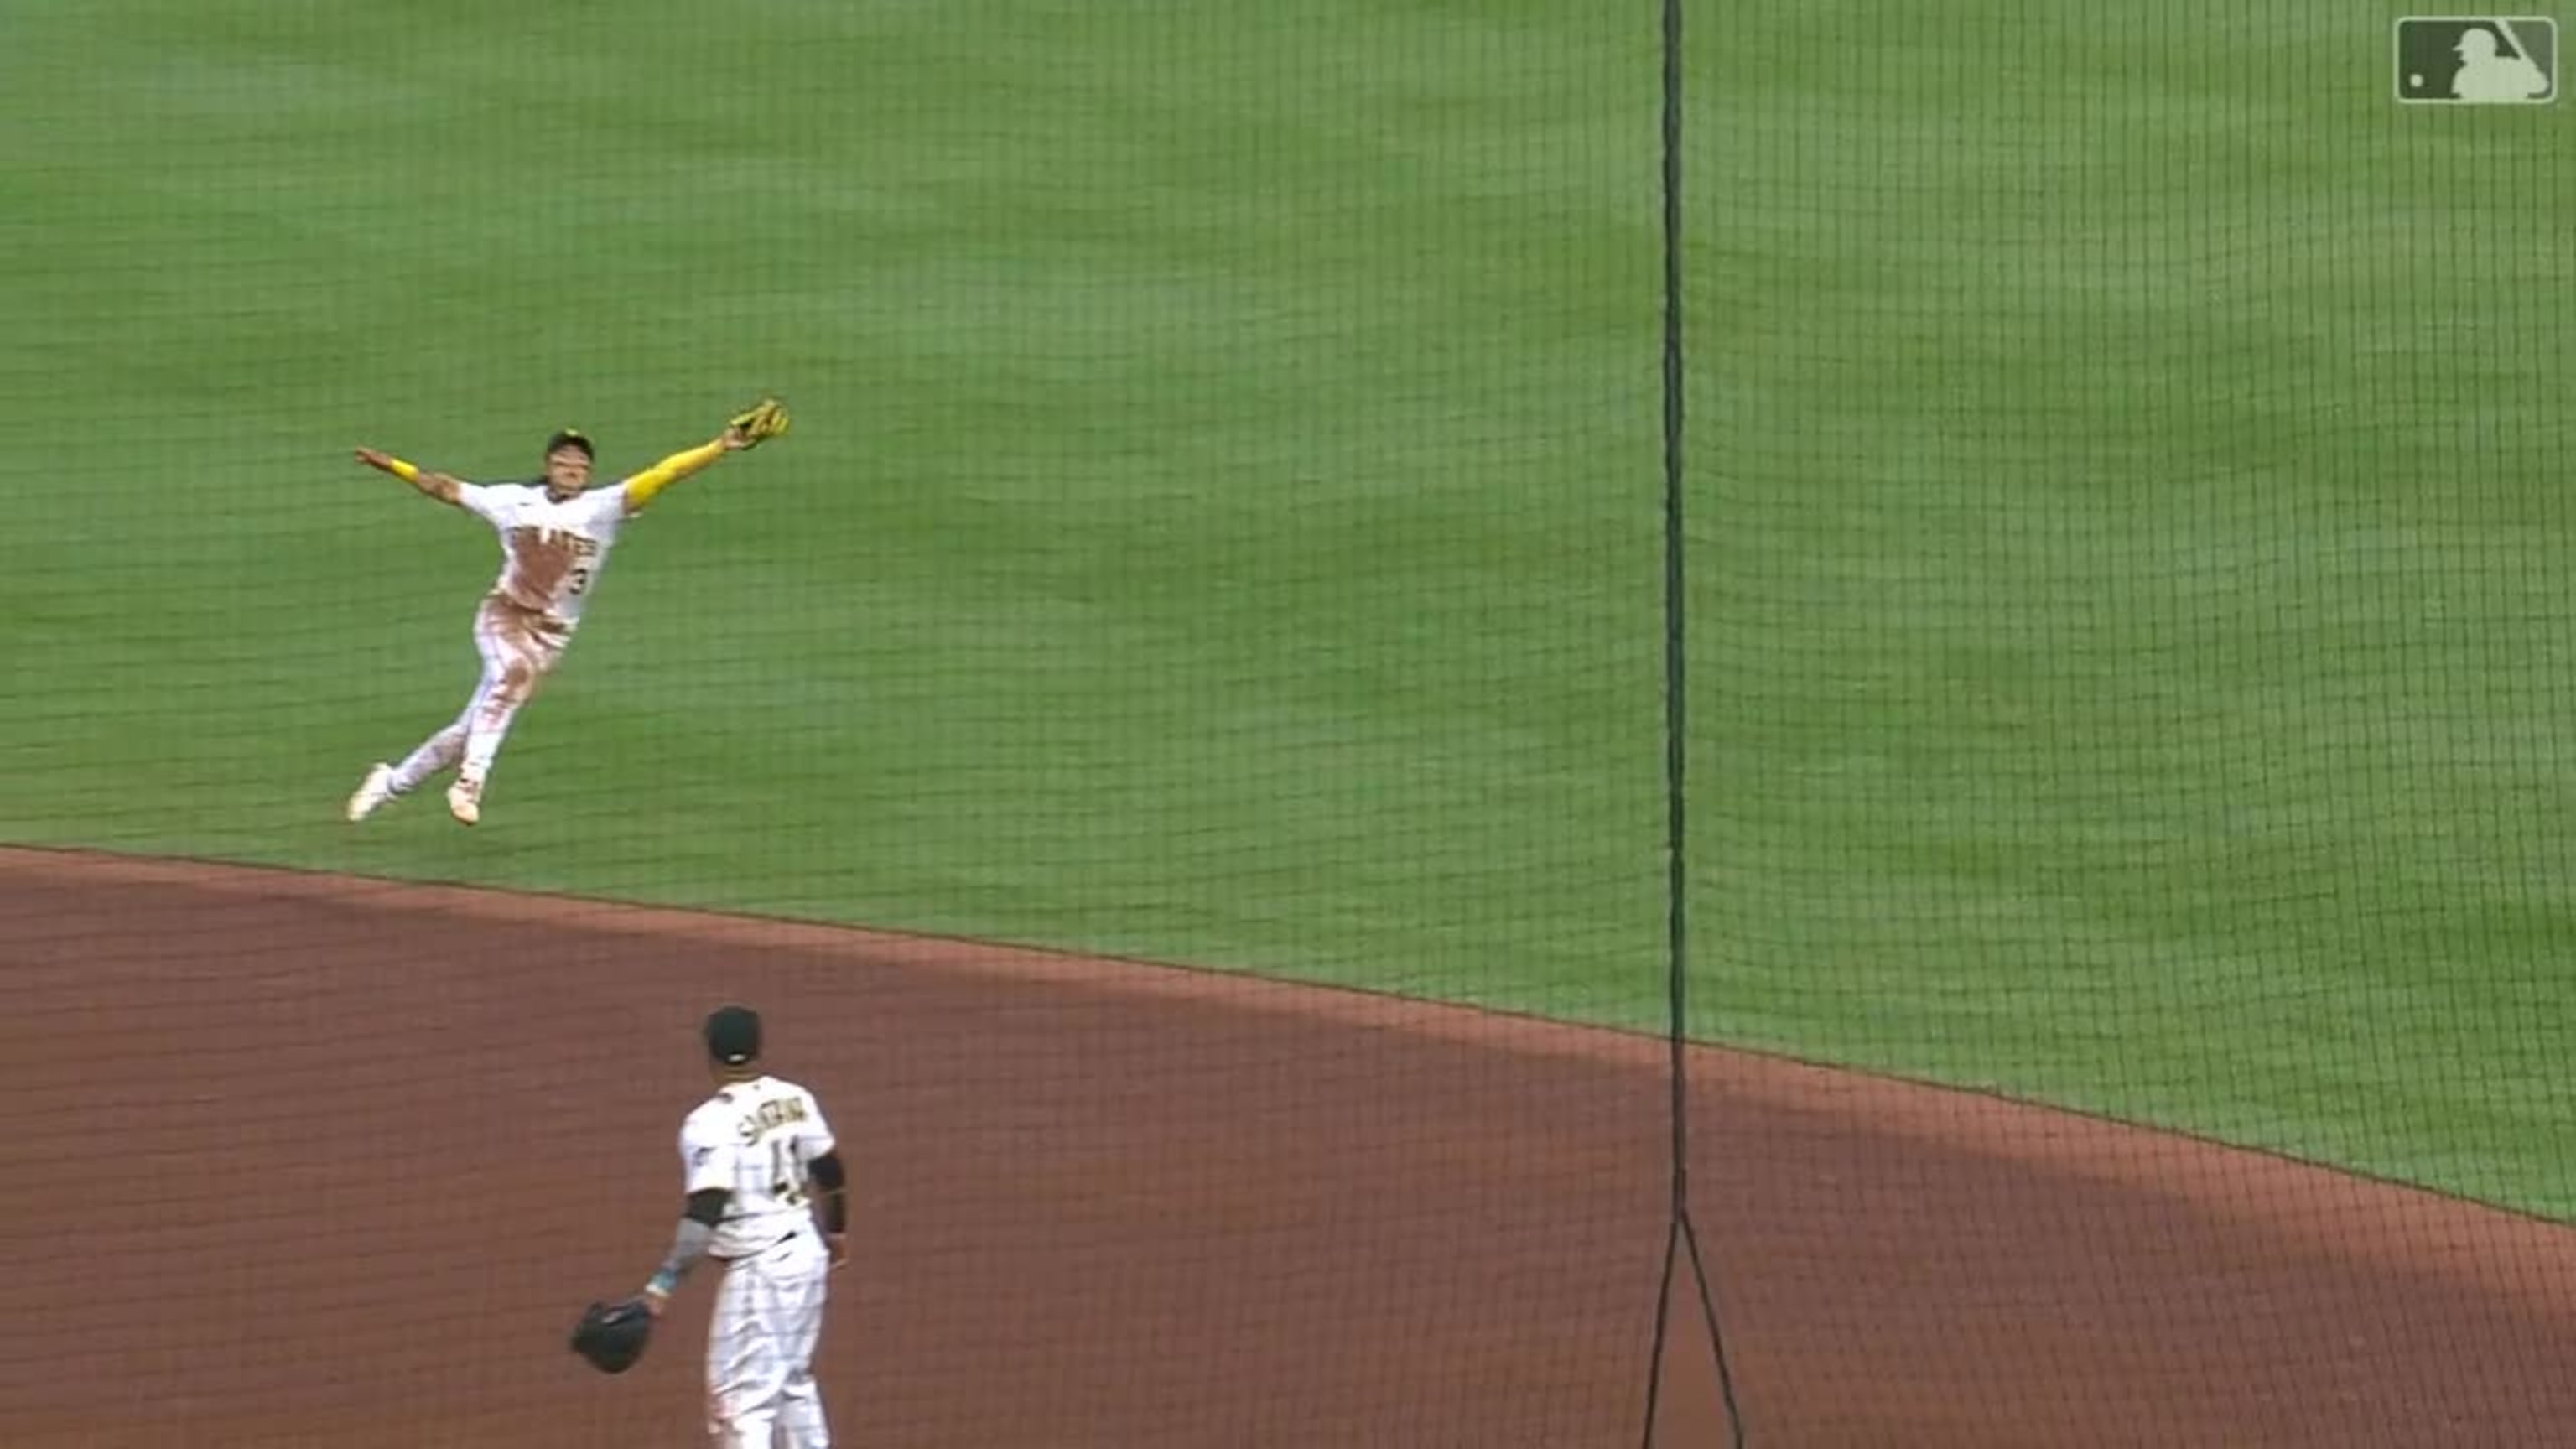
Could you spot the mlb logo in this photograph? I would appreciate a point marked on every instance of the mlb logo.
(2477, 60)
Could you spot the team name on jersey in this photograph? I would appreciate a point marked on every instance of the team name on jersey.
(769, 1116)
(579, 545)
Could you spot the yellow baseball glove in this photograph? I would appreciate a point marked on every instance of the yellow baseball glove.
(759, 423)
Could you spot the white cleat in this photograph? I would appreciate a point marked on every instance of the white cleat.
(465, 801)
(373, 791)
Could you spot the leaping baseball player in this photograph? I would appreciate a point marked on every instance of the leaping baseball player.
(555, 537)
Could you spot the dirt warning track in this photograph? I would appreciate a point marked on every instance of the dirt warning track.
(310, 1160)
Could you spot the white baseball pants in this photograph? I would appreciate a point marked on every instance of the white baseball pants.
(760, 1348)
(519, 650)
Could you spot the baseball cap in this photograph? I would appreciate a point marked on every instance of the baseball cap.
(733, 1034)
(570, 438)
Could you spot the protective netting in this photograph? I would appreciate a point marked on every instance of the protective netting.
(2113, 635)
(2130, 672)
(1218, 526)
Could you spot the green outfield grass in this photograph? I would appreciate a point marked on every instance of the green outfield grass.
(2132, 653)
(1222, 523)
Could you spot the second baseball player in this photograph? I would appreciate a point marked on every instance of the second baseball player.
(757, 1160)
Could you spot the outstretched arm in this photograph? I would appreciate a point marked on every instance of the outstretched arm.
(749, 428)
(645, 486)
(436, 485)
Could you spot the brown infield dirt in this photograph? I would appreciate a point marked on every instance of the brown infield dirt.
(305, 1160)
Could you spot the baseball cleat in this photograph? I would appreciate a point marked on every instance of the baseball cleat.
(465, 801)
(373, 791)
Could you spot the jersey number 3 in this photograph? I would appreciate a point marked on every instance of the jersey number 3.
(786, 1179)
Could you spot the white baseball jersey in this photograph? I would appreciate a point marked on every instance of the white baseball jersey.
(551, 552)
(754, 1138)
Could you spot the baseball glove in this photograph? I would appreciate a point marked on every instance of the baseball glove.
(612, 1335)
(760, 422)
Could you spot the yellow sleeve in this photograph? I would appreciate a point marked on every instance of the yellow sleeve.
(641, 488)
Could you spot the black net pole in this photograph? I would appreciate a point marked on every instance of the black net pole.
(1681, 1241)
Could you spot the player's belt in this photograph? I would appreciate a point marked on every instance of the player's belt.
(540, 619)
(772, 1246)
